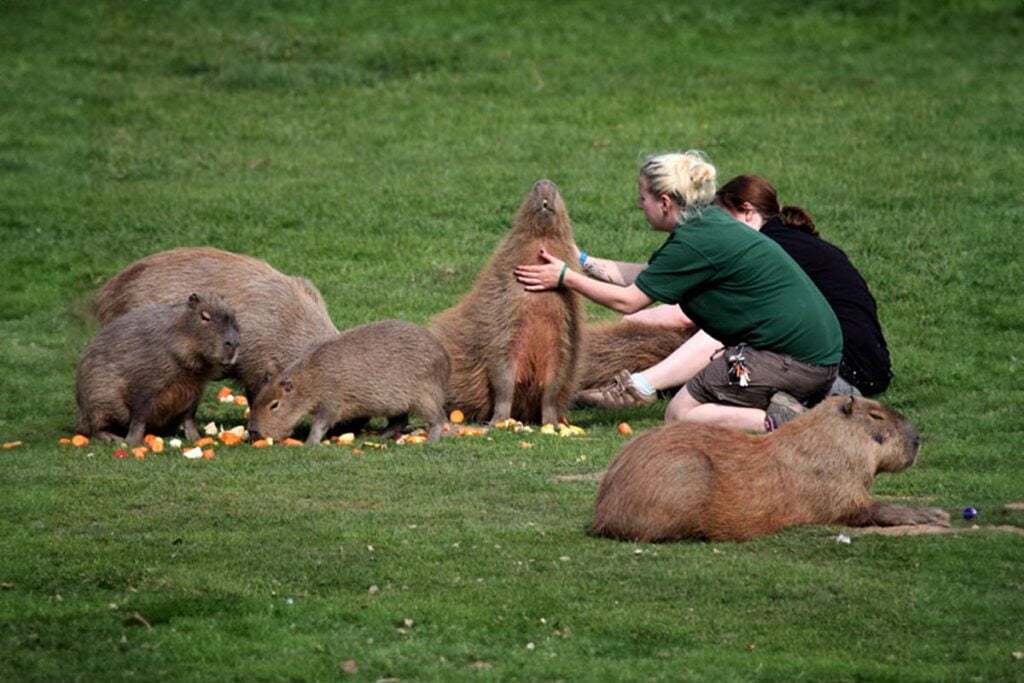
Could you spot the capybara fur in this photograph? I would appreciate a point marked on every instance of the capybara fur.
(279, 316)
(514, 352)
(691, 481)
(609, 347)
(384, 369)
(148, 368)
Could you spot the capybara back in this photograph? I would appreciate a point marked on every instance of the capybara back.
(279, 316)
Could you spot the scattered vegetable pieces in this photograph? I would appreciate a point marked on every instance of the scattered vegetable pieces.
(230, 439)
(346, 438)
(205, 441)
(224, 393)
(262, 443)
(121, 453)
(208, 454)
(471, 431)
(241, 401)
(193, 453)
(211, 429)
(457, 417)
(140, 452)
(12, 444)
(64, 441)
(624, 429)
(291, 442)
(79, 441)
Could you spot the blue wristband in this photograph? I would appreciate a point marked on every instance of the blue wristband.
(583, 257)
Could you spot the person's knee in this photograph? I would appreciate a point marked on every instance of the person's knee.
(679, 406)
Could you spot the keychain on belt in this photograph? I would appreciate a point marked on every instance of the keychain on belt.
(739, 372)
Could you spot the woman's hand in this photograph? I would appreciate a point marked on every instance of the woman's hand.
(542, 276)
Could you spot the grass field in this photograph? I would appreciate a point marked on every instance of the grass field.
(381, 149)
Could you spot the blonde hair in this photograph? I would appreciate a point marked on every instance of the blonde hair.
(687, 178)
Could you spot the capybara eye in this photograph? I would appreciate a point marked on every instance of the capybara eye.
(205, 315)
(274, 405)
(876, 416)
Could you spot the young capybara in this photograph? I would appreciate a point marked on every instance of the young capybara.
(148, 368)
(689, 481)
(514, 353)
(279, 316)
(384, 369)
(624, 344)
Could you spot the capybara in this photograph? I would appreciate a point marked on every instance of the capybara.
(384, 369)
(279, 316)
(148, 368)
(514, 353)
(609, 347)
(690, 481)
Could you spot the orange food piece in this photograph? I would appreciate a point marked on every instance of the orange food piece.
(140, 452)
(207, 454)
(471, 431)
(624, 429)
(157, 446)
(205, 441)
(12, 444)
(291, 442)
(64, 441)
(356, 451)
(230, 438)
(149, 439)
(260, 443)
(241, 401)
(79, 440)
(457, 417)
(224, 391)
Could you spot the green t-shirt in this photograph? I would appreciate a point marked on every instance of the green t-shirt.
(741, 287)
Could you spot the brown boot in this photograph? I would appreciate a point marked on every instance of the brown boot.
(619, 393)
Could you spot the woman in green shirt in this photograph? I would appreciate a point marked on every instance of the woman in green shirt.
(778, 331)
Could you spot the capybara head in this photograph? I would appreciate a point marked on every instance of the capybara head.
(209, 323)
(277, 409)
(893, 437)
(543, 212)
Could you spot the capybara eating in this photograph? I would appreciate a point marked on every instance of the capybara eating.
(689, 481)
(514, 353)
(384, 369)
(624, 344)
(279, 316)
(148, 368)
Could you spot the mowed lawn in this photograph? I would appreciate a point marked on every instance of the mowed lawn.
(381, 150)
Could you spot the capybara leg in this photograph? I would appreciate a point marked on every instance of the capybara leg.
(189, 423)
(434, 430)
(321, 423)
(355, 426)
(136, 430)
(108, 436)
(395, 425)
(549, 404)
(504, 384)
(883, 514)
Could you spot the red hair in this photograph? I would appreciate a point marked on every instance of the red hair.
(761, 195)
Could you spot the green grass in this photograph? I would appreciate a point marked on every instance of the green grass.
(381, 149)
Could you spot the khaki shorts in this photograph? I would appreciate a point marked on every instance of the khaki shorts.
(768, 372)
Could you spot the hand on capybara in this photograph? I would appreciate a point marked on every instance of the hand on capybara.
(690, 481)
(514, 353)
(279, 316)
(384, 369)
(149, 367)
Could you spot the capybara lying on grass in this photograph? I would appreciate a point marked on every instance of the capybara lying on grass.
(609, 347)
(688, 481)
(384, 369)
(514, 353)
(149, 367)
(279, 316)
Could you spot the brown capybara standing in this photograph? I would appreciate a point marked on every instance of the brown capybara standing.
(624, 344)
(149, 367)
(384, 369)
(279, 316)
(688, 481)
(514, 353)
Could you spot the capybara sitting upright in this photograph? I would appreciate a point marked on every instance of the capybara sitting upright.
(149, 367)
(514, 353)
(689, 481)
(279, 316)
(624, 345)
(384, 369)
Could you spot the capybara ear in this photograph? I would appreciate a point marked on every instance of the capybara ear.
(193, 300)
(847, 407)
